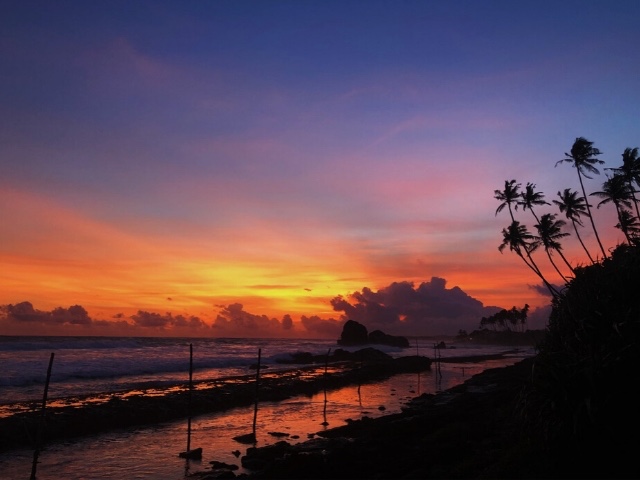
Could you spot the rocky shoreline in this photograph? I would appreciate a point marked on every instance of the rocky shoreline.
(469, 431)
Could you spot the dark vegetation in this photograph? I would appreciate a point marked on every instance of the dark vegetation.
(582, 403)
(580, 408)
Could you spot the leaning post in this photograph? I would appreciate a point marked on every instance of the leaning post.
(36, 452)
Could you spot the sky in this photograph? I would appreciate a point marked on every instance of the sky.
(272, 168)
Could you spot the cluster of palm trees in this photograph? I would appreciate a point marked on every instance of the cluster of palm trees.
(619, 189)
(511, 320)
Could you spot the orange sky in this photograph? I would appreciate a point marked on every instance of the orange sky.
(319, 153)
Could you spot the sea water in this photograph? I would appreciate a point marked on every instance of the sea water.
(98, 365)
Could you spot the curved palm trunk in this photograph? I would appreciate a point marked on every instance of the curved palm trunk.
(575, 228)
(537, 271)
(565, 261)
(555, 266)
(593, 225)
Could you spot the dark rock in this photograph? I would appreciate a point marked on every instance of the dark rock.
(380, 338)
(194, 454)
(222, 466)
(353, 333)
(246, 438)
(257, 458)
(413, 363)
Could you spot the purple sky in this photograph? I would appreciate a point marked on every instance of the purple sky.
(182, 158)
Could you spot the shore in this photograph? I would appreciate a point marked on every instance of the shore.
(469, 431)
(79, 416)
(351, 445)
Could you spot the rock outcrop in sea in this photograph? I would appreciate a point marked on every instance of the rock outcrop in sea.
(354, 333)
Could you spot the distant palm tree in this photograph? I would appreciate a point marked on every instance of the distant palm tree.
(616, 190)
(630, 171)
(530, 197)
(583, 157)
(573, 207)
(549, 232)
(520, 241)
(510, 195)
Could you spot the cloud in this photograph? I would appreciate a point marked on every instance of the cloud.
(167, 321)
(24, 312)
(75, 315)
(235, 322)
(543, 290)
(318, 327)
(403, 309)
(22, 318)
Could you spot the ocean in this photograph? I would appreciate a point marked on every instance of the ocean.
(94, 368)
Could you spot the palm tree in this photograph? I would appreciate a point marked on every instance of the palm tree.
(510, 195)
(615, 190)
(519, 240)
(549, 232)
(583, 157)
(530, 197)
(630, 226)
(630, 171)
(573, 207)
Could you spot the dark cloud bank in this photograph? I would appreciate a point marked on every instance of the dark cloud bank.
(401, 308)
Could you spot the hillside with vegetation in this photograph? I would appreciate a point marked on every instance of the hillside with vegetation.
(580, 407)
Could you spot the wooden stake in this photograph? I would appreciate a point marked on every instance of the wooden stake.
(189, 400)
(255, 408)
(196, 453)
(326, 366)
(36, 452)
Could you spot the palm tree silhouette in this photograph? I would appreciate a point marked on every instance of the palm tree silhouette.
(573, 207)
(530, 197)
(630, 171)
(519, 240)
(549, 232)
(583, 157)
(630, 226)
(616, 190)
(510, 195)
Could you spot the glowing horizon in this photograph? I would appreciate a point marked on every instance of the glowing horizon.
(279, 159)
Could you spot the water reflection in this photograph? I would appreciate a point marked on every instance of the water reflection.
(151, 452)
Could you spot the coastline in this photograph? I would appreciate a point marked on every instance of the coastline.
(468, 431)
(305, 379)
(80, 416)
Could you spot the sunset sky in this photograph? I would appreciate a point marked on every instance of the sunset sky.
(166, 166)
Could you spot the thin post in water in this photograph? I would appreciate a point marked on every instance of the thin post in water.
(189, 399)
(36, 452)
(326, 367)
(196, 453)
(255, 407)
